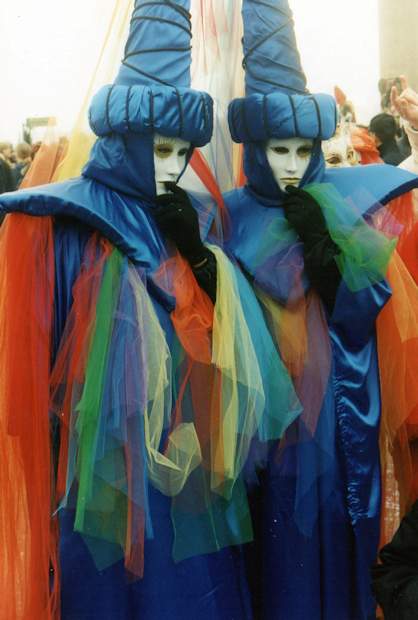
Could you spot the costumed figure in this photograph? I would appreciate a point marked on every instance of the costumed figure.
(318, 268)
(346, 108)
(339, 151)
(352, 144)
(136, 367)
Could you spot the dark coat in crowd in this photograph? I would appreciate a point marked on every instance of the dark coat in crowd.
(6, 177)
(395, 579)
(384, 127)
(18, 173)
(391, 153)
(403, 144)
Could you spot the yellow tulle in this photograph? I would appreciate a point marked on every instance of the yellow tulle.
(168, 470)
(242, 394)
(82, 139)
(288, 326)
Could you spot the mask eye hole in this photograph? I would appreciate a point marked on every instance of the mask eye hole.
(163, 150)
(182, 152)
(334, 160)
(280, 150)
(304, 151)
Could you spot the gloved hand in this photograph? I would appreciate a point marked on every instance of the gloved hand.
(304, 215)
(178, 221)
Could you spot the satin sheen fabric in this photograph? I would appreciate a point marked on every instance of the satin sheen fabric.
(114, 197)
(317, 545)
(317, 509)
(210, 586)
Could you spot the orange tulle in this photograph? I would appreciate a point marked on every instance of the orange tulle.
(193, 314)
(403, 211)
(365, 145)
(241, 178)
(193, 320)
(29, 579)
(300, 331)
(46, 162)
(397, 331)
(409, 251)
(202, 169)
(71, 359)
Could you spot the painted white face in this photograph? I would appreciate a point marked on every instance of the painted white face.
(289, 159)
(339, 152)
(169, 160)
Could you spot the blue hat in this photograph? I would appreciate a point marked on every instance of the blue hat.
(151, 92)
(277, 102)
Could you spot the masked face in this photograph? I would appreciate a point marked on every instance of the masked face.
(339, 152)
(289, 160)
(170, 155)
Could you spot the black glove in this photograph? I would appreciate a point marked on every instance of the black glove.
(206, 275)
(178, 221)
(304, 215)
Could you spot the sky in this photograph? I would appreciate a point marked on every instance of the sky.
(49, 49)
(339, 45)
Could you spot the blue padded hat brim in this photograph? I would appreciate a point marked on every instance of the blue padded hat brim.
(259, 117)
(146, 109)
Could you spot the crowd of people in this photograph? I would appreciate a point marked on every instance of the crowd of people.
(14, 164)
(388, 138)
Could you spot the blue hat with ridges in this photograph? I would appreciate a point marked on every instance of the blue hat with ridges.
(151, 92)
(277, 103)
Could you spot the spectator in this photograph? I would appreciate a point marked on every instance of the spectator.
(383, 127)
(23, 161)
(6, 176)
(9, 155)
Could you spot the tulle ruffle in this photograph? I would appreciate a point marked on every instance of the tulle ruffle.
(135, 412)
(229, 375)
(29, 575)
(365, 252)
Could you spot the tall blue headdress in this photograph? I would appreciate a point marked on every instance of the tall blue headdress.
(151, 92)
(277, 102)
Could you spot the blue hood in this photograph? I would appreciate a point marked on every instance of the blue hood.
(125, 163)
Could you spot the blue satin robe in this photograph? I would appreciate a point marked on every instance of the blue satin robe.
(209, 587)
(313, 551)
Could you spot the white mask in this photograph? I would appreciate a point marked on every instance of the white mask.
(289, 159)
(170, 156)
(339, 151)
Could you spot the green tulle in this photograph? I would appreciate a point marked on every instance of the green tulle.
(127, 435)
(90, 406)
(365, 252)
